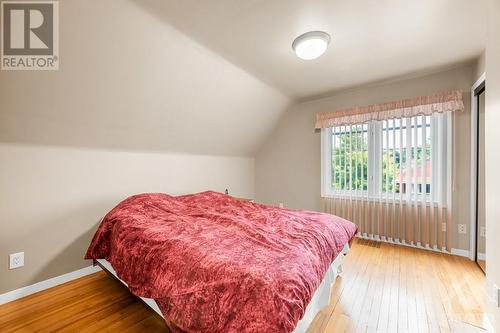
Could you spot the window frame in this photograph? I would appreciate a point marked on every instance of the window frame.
(440, 133)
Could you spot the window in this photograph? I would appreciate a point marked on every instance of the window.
(383, 159)
(349, 156)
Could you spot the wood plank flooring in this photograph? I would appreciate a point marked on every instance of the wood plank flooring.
(389, 288)
(384, 288)
(482, 264)
(95, 303)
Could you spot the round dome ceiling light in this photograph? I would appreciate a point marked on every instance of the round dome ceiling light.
(311, 45)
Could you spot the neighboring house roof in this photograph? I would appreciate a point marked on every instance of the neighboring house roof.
(402, 175)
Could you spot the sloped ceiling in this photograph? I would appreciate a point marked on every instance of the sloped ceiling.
(372, 40)
(213, 77)
(130, 81)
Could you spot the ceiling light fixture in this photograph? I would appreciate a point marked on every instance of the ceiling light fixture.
(311, 45)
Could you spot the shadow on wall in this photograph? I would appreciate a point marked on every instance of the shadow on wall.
(183, 16)
(71, 256)
(52, 248)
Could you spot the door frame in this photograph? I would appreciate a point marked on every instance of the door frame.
(476, 88)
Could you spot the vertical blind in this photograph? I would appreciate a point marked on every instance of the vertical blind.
(392, 178)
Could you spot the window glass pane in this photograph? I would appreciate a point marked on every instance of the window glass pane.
(387, 156)
(426, 153)
(364, 157)
(349, 158)
(410, 175)
(401, 158)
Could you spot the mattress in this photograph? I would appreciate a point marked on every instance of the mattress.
(213, 263)
(319, 301)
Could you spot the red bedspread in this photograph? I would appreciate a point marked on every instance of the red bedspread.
(217, 264)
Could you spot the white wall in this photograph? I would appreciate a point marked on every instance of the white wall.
(74, 142)
(480, 66)
(288, 167)
(492, 158)
(52, 198)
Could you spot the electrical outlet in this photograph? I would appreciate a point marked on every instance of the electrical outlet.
(443, 225)
(16, 260)
(462, 228)
(482, 231)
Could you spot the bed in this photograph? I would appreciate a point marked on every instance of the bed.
(208, 262)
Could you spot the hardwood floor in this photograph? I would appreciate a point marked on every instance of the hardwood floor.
(401, 289)
(482, 264)
(384, 288)
(95, 303)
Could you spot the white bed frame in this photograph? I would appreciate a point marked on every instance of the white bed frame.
(106, 266)
(320, 299)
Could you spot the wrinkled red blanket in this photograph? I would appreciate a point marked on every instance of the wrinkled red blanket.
(217, 264)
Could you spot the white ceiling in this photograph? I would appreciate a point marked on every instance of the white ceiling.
(372, 40)
(190, 76)
(129, 81)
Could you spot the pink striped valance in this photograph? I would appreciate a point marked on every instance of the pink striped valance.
(418, 106)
